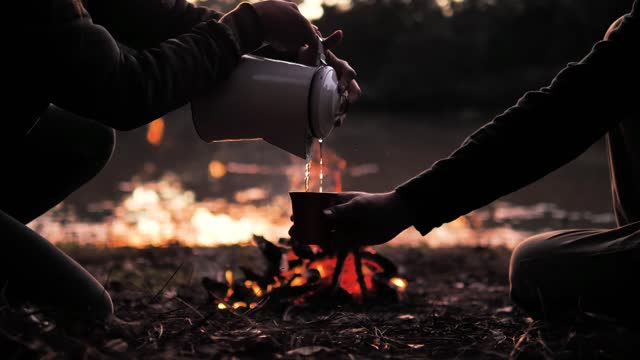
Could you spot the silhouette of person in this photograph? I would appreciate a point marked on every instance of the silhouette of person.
(558, 274)
(85, 68)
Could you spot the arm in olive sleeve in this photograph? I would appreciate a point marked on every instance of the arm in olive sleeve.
(543, 131)
(93, 75)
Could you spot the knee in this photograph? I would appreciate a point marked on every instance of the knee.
(91, 313)
(105, 140)
(91, 302)
(523, 272)
(103, 307)
(528, 250)
(96, 150)
(613, 27)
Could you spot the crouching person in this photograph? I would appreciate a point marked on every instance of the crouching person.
(84, 68)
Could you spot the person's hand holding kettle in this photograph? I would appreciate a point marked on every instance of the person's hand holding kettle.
(346, 74)
(288, 30)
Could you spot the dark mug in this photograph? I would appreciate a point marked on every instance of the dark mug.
(310, 223)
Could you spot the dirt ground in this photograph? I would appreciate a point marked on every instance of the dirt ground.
(457, 306)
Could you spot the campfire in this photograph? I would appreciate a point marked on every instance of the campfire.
(299, 273)
(308, 274)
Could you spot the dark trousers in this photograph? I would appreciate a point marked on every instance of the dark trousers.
(560, 274)
(61, 153)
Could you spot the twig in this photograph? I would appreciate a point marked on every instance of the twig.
(189, 306)
(338, 270)
(166, 283)
(358, 264)
(259, 305)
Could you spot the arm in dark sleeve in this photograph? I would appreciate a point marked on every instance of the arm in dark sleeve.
(545, 130)
(92, 75)
(144, 23)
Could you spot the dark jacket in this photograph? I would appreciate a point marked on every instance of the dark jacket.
(121, 62)
(543, 131)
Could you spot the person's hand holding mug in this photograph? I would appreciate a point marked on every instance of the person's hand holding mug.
(360, 219)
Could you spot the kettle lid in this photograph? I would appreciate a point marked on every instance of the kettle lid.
(324, 102)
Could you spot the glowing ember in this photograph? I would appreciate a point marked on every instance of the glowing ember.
(217, 169)
(155, 132)
(239, 304)
(400, 283)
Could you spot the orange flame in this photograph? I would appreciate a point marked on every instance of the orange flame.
(228, 275)
(400, 283)
(239, 304)
(155, 132)
(319, 274)
(217, 169)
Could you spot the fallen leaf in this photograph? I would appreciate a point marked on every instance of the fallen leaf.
(506, 309)
(355, 330)
(160, 330)
(406, 317)
(308, 350)
(116, 345)
(498, 336)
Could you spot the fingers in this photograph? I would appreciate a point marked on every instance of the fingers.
(347, 196)
(345, 72)
(353, 91)
(333, 40)
(317, 30)
(293, 29)
(306, 56)
(311, 32)
(340, 227)
(332, 217)
(340, 214)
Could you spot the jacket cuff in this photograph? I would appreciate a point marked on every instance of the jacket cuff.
(419, 203)
(246, 27)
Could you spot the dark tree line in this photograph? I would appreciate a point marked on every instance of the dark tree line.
(410, 55)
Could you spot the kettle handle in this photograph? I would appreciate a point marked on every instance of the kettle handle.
(321, 59)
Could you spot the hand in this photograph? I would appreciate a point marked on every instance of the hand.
(367, 219)
(346, 74)
(284, 26)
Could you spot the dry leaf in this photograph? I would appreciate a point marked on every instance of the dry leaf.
(355, 330)
(308, 350)
(116, 345)
(506, 309)
(406, 317)
(498, 336)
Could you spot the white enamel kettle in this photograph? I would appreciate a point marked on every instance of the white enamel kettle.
(283, 103)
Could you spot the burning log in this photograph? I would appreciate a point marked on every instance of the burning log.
(308, 274)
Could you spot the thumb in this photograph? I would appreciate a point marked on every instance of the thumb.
(336, 216)
(333, 40)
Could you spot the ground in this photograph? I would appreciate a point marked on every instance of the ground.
(457, 307)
